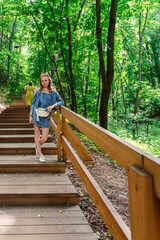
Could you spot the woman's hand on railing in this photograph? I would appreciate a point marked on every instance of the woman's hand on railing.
(50, 108)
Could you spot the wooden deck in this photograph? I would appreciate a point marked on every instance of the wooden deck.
(37, 200)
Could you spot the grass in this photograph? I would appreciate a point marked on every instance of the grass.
(148, 142)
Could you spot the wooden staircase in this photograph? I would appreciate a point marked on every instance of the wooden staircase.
(37, 200)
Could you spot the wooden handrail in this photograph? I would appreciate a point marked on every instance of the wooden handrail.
(118, 149)
(143, 175)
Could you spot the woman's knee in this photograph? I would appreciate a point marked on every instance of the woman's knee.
(44, 139)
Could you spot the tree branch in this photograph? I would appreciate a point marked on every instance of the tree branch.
(145, 22)
(43, 40)
(79, 14)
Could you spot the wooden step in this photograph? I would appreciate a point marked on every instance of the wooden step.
(14, 120)
(16, 110)
(19, 114)
(30, 163)
(44, 223)
(9, 131)
(16, 125)
(36, 188)
(20, 138)
(26, 148)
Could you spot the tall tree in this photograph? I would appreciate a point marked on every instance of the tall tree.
(141, 35)
(107, 79)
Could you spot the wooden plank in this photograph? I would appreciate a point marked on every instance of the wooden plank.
(34, 179)
(27, 158)
(59, 141)
(54, 116)
(45, 229)
(64, 236)
(41, 168)
(28, 189)
(76, 143)
(114, 222)
(142, 205)
(9, 131)
(31, 182)
(19, 211)
(36, 189)
(53, 125)
(26, 148)
(40, 177)
(15, 125)
(24, 145)
(20, 138)
(120, 150)
(152, 165)
(43, 221)
(14, 115)
(47, 168)
(39, 199)
(59, 212)
(11, 120)
(64, 133)
(73, 214)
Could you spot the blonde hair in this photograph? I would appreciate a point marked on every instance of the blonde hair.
(50, 85)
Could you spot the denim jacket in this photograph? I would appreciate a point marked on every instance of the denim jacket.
(56, 100)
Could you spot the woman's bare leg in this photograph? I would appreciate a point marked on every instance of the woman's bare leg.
(37, 139)
(44, 136)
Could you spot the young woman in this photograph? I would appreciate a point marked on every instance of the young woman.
(46, 98)
(29, 94)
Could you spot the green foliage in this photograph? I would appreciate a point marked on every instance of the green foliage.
(149, 142)
(41, 30)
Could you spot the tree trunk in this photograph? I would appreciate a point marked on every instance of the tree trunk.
(10, 45)
(140, 60)
(150, 66)
(73, 96)
(103, 104)
(124, 102)
(98, 97)
(113, 104)
(106, 78)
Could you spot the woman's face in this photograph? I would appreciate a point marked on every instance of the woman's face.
(44, 81)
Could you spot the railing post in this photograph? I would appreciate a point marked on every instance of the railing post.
(59, 139)
(64, 134)
(143, 205)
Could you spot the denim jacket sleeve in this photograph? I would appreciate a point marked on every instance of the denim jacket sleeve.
(35, 99)
(56, 100)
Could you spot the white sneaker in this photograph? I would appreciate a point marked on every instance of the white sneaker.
(42, 159)
(36, 152)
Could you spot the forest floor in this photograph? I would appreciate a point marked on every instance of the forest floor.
(114, 183)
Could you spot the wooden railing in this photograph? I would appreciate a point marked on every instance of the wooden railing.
(143, 176)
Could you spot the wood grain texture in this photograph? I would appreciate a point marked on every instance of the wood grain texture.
(143, 209)
(123, 152)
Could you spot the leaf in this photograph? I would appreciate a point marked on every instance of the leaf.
(60, 211)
